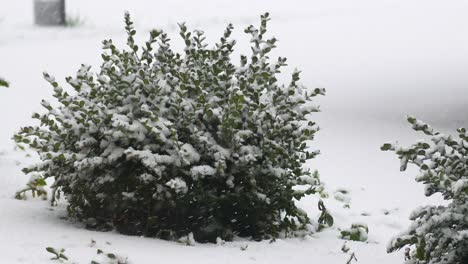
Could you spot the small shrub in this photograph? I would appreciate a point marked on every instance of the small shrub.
(357, 232)
(439, 234)
(163, 144)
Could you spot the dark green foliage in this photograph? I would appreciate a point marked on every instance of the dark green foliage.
(3, 83)
(158, 143)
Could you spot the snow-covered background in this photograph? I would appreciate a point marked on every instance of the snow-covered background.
(379, 61)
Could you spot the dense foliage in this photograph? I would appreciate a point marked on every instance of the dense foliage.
(439, 234)
(159, 143)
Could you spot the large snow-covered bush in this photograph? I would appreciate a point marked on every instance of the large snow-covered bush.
(439, 234)
(159, 143)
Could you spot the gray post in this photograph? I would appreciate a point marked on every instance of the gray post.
(49, 12)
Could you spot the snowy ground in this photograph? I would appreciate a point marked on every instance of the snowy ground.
(379, 61)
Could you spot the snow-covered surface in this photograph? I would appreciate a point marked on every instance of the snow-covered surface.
(379, 60)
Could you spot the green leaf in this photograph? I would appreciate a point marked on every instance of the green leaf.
(41, 182)
(411, 119)
(51, 250)
(386, 147)
(209, 113)
(421, 249)
(329, 220)
(4, 83)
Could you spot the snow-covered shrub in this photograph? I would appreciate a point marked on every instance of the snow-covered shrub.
(357, 232)
(159, 143)
(439, 234)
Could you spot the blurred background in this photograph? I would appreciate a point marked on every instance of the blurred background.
(397, 56)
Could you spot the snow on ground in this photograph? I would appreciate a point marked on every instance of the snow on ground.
(379, 61)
